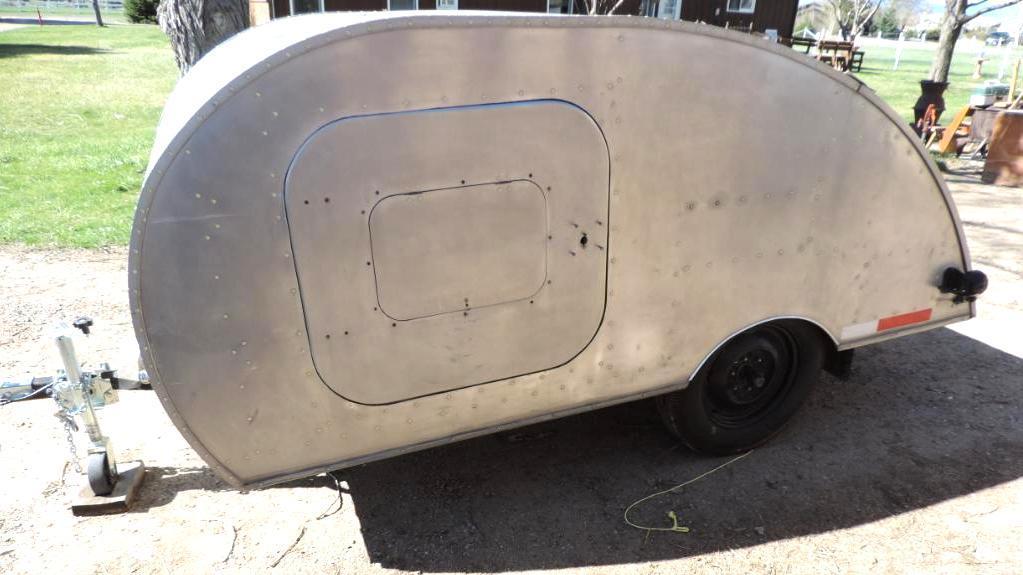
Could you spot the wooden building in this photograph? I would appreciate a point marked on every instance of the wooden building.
(748, 15)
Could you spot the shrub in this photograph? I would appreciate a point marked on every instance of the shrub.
(141, 11)
(888, 23)
(804, 24)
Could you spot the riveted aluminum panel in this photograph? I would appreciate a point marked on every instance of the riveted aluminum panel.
(459, 249)
(415, 279)
(762, 214)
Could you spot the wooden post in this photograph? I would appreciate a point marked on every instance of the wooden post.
(1005, 61)
(898, 50)
(1015, 78)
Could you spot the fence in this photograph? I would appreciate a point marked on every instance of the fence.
(68, 5)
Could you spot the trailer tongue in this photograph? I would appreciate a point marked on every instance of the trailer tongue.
(365, 234)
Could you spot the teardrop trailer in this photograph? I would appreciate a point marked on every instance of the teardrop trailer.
(366, 234)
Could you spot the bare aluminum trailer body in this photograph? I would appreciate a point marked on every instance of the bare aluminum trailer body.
(365, 234)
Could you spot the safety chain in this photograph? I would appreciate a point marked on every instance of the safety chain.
(69, 427)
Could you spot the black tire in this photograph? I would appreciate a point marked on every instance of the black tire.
(100, 480)
(748, 390)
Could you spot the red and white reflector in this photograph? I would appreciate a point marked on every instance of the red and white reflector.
(865, 329)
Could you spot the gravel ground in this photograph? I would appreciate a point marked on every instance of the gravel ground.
(912, 465)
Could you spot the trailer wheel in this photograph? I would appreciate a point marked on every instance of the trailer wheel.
(748, 390)
(100, 480)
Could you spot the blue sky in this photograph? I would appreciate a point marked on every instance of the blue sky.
(1009, 18)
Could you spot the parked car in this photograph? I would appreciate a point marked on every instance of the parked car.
(998, 39)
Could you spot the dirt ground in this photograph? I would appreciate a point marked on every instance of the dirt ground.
(912, 465)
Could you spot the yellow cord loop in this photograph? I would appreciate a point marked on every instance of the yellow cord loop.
(675, 527)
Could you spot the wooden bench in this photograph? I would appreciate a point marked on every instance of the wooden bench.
(805, 43)
(856, 62)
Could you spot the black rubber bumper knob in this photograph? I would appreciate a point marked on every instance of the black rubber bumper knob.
(965, 285)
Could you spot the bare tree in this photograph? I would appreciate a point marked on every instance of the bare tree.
(907, 12)
(196, 26)
(952, 25)
(99, 17)
(598, 7)
(853, 15)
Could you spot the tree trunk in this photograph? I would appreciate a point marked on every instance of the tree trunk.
(95, 8)
(951, 27)
(196, 26)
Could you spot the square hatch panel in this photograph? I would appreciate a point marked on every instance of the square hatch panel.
(461, 248)
(445, 248)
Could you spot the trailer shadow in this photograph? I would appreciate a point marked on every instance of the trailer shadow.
(922, 420)
(28, 20)
(163, 484)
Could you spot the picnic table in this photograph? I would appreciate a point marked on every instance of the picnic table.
(840, 54)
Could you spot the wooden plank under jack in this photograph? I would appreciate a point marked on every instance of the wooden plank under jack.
(948, 138)
(129, 478)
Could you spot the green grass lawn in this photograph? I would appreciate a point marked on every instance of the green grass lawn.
(78, 110)
(79, 107)
(901, 88)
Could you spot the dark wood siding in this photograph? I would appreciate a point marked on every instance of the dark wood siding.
(768, 14)
(779, 15)
(628, 7)
(279, 8)
(509, 5)
(700, 10)
(737, 20)
(354, 5)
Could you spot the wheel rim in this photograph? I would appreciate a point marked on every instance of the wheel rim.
(751, 376)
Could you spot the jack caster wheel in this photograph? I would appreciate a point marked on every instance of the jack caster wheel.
(748, 390)
(100, 480)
